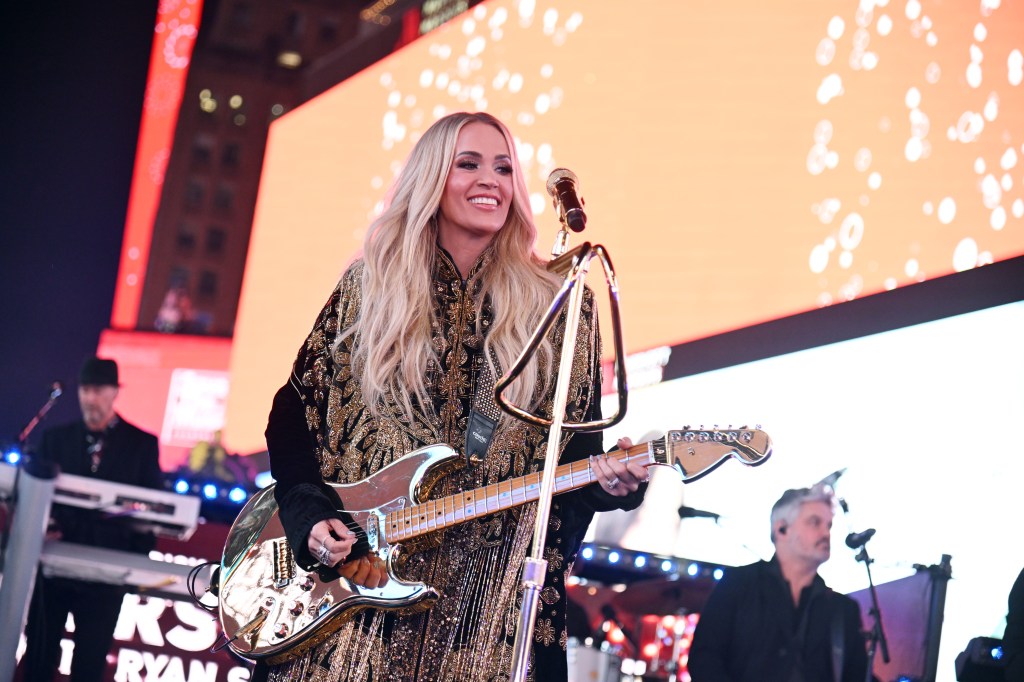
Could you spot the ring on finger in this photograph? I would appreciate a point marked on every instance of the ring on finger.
(612, 483)
(323, 555)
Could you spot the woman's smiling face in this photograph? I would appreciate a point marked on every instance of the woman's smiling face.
(478, 191)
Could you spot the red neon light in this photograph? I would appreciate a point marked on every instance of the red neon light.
(177, 24)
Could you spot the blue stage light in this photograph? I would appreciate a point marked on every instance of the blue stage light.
(263, 479)
(12, 456)
(613, 557)
(210, 491)
(587, 553)
(997, 653)
(692, 570)
(718, 574)
(666, 565)
(640, 561)
(181, 486)
(237, 495)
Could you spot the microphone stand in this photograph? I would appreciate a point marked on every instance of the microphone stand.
(55, 392)
(574, 265)
(877, 636)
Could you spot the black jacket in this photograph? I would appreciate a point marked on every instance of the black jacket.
(130, 455)
(750, 630)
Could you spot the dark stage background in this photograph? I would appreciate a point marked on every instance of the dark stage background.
(75, 76)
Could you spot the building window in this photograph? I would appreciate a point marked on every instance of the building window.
(207, 284)
(231, 157)
(296, 24)
(179, 278)
(195, 194)
(328, 32)
(224, 199)
(202, 150)
(185, 240)
(215, 240)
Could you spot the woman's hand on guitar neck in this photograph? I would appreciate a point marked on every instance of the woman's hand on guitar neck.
(617, 478)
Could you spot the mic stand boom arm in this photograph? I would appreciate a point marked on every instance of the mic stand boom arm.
(575, 265)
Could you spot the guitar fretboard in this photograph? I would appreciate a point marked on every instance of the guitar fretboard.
(454, 509)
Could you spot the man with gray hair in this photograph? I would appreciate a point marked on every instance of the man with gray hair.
(777, 621)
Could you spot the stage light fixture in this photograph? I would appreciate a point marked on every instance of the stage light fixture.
(237, 495)
(182, 487)
(692, 570)
(613, 557)
(640, 561)
(718, 573)
(587, 553)
(666, 566)
(210, 491)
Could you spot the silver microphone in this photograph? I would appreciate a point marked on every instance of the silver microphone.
(562, 186)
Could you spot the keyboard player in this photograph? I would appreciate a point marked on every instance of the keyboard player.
(101, 445)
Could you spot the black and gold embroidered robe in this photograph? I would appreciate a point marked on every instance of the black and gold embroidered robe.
(321, 430)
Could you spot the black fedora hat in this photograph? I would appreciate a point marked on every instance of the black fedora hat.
(98, 372)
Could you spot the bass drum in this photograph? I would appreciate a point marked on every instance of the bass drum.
(589, 664)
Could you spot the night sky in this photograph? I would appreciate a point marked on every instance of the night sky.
(74, 81)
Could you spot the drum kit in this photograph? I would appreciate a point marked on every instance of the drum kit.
(639, 631)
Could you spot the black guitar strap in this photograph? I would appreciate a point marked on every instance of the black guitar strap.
(483, 417)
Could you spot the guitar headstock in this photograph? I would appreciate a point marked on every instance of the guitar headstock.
(697, 452)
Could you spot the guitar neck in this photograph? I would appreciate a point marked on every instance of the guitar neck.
(433, 515)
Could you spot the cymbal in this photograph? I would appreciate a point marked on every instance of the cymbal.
(665, 596)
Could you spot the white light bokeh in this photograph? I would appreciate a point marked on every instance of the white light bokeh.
(851, 231)
(998, 218)
(862, 159)
(947, 210)
(818, 260)
(830, 88)
(836, 26)
(912, 98)
(1015, 67)
(991, 191)
(965, 255)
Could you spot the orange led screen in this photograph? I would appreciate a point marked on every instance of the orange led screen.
(740, 161)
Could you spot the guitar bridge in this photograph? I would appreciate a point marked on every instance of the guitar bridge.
(284, 566)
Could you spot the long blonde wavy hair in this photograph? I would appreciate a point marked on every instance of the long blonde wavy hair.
(392, 335)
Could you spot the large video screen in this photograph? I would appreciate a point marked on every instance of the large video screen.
(915, 416)
(741, 161)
